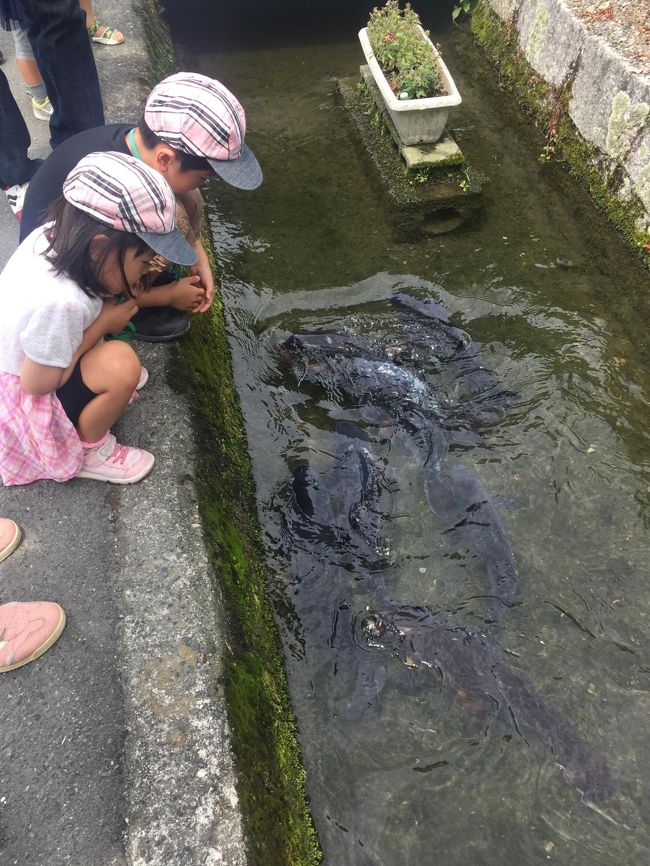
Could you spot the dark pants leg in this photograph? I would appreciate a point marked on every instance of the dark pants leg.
(58, 35)
(15, 166)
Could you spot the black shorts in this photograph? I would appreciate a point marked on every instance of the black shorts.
(75, 395)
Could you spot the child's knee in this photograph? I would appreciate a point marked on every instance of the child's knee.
(122, 364)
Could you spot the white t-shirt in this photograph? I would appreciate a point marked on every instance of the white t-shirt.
(42, 315)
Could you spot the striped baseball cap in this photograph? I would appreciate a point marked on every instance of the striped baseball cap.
(198, 115)
(125, 194)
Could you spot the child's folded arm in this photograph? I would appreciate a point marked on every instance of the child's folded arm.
(38, 379)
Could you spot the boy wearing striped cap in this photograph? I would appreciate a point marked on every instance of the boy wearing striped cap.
(192, 128)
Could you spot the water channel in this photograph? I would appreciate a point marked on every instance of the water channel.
(559, 312)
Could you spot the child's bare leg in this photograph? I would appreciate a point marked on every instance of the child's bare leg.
(112, 371)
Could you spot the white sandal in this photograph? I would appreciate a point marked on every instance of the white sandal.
(109, 35)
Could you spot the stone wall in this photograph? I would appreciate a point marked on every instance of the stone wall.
(593, 105)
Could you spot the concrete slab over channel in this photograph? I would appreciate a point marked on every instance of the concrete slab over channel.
(115, 747)
(445, 197)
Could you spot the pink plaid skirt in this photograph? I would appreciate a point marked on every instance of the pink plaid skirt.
(37, 439)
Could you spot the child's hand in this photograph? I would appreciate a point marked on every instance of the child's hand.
(114, 316)
(188, 294)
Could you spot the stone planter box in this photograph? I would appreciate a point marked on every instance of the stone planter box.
(416, 120)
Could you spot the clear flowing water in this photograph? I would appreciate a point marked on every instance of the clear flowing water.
(558, 311)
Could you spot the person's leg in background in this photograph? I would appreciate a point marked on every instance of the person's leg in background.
(27, 629)
(97, 30)
(62, 49)
(31, 75)
(16, 168)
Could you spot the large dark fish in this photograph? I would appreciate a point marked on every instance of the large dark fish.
(374, 383)
(468, 663)
(340, 365)
(333, 536)
(338, 509)
(428, 328)
(347, 366)
(431, 338)
(333, 531)
(459, 499)
(323, 344)
(470, 520)
(335, 526)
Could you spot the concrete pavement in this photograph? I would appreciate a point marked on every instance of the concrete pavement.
(115, 745)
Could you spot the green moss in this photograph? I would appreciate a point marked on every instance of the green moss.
(580, 158)
(547, 108)
(625, 121)
(160, 52)
(271, 775)
(499, 43)
(539, 29)
(417, 190)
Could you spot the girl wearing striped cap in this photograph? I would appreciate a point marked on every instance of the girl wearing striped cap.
(70, 283)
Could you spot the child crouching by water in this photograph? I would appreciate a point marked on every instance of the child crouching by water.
(68, 284)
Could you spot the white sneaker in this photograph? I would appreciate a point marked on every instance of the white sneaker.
(16, 198)
(42, 110)
(118, 464)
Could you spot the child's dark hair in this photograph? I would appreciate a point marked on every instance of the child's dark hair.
(189, 162)
(69, 247)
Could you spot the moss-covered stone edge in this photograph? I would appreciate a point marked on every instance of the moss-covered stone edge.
(271, 777)
(548, 109)
(159, 49)
(407, 188)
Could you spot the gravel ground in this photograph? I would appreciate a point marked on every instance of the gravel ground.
(622, 24)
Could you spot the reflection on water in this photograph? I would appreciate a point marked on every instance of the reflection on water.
(559, 316)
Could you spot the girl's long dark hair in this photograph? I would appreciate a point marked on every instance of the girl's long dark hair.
(69, 247)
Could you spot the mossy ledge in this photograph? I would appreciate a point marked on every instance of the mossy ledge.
(160, 51)
(270, 771)
(415, 197)
(548, 110)
(271, 786)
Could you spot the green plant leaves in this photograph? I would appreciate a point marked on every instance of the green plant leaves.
(406, 58)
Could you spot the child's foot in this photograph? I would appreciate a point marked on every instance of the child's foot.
(9, 537)
(104, 35)
(42, 110)
(144, 378)
(119, 464)
(27, 629)
(16, 198)
(142, 381)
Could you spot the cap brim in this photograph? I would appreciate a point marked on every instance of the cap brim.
(172, 246)
(244, 172)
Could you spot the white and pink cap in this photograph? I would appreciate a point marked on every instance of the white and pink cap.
(198, 115)
(125, 194)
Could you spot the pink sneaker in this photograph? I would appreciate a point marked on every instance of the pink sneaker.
(144, 378)
(9, 537)
(119, 464)
(27, 629)
(142, 381)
